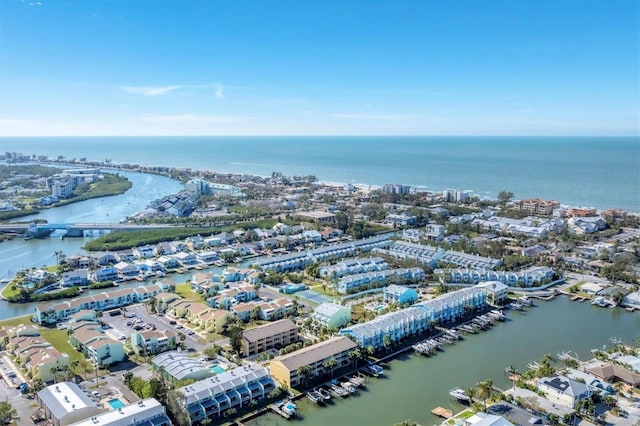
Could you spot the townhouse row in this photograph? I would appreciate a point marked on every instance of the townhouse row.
(297, 261)
(54, 312)
(417, 319)
(353, 283)
(530, 277)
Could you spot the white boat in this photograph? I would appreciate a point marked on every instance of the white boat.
(459, 395)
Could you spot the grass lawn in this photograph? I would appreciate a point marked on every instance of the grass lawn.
(184, 290)
(12, 322)
(461, 416)
(7, 292)
(59, 339)
(328, 290)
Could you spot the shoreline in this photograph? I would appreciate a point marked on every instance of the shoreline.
(366, 188)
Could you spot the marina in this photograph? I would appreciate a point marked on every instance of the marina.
(410, 380)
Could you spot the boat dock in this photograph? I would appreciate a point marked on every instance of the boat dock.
(442, 412)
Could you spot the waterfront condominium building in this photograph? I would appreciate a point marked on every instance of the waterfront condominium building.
(397, 325)
(452, 306)
(148, 412)
(211, 397)
(417, 318)
(276, 335)
(320, 359)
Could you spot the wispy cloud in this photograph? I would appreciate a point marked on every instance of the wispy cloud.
(163, 90)
(193, 118)
(359, 116)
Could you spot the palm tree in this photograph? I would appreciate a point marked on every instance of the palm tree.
(355, 355)
(330, 364)
(512, 374)
(151, 304)
(471, 393)
(74, 366)
(484, 390)
(386, 341)
(305, 373)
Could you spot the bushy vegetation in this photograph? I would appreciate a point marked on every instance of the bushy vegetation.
(120, 240)
(109, 185)
(26, 296)
(101, 284)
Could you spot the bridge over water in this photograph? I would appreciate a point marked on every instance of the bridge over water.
(78, 229)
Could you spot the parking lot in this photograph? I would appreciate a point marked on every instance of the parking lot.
(137, 318)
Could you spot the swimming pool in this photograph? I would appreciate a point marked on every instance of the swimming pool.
(116, 403)
(217, 368)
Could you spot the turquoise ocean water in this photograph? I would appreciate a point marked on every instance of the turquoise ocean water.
(602, 172)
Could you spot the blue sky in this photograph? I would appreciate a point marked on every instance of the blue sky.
(296, 67)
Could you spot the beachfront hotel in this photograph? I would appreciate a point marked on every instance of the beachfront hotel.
(211, 397)
(286, 369)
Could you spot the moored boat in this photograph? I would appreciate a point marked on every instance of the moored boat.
(459, 395)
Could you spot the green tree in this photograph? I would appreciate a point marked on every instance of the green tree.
(386, 342)
(330, 365)
(504, 197)
(512, 374)
(484, 391)
(212, 351)
(305, 374)
(7, 412)
(235, 339)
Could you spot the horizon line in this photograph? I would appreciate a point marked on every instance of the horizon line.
(322, 136)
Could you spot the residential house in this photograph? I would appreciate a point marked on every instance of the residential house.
(435, 232)
(195, 242)
(143, 252)
(612, 373)
(127, 270)
(107, 273)
(186, 258)
(563, 390)
(77, 277)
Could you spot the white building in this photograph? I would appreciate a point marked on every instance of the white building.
(496, 291)
(65, 403)
(148, 412)
(563, 390)
(332, 315)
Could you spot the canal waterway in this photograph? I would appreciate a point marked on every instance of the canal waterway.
(19, 254)
(414, 384)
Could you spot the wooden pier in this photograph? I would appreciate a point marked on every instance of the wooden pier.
(442, 412)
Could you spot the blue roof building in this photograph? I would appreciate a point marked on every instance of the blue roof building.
(400, 294)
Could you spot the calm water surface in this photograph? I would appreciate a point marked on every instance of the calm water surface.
(414, 385)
